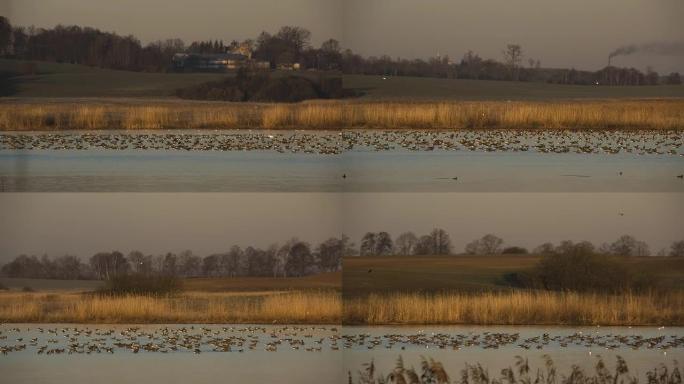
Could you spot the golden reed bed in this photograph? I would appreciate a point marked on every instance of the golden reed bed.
(327, 307)
(645, 114)
(520, 307)
(288, 307)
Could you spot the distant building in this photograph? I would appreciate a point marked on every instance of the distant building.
(289, 66)
(215, 62)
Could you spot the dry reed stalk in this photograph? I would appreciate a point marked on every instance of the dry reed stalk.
(520, 307)
(646, 114)
(263, 307)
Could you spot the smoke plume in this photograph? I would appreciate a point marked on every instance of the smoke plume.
(663, 49)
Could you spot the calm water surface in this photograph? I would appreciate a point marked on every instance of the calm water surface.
(325, 354)
(355, 161)
(365, 170)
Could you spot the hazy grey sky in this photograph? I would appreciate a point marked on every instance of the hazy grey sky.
(568, 33)
(84, 223)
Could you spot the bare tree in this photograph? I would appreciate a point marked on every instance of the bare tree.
(513, 55)
(641, 249)
(488, 245)
(330, 253)
(437, 242)
(624, 246)
(677, 249)
(545, 249)
(189, 265)
(107, 265)
(299, 260)
(406, 243)
(170, 265)
(441, 242)
(383, 244)
(5, 35)
(368, 244)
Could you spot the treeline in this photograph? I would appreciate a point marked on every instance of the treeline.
(294, 258)
(90, 46)
(438, 242)
(86, 46)
(299, 258)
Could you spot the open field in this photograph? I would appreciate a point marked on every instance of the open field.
(50, 285)
(93, 114)
(248, 307)
(70, 80)
(363, 276)
(331, 281)
(520, 307)
(425, 89)
(327, 281)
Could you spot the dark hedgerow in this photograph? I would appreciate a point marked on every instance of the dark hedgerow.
(139, 284)
(582, 272)
(259, 86)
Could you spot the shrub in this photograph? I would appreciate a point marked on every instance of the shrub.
(288, 89)
(3, 287)
(582, 272)
(27, 289)
(246, 86)
(138, 284)
(514, 251)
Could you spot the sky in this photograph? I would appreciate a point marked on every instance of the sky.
(154, 223)
(560, 33)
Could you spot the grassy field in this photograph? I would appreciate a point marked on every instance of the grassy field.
(326, 281)
(323, 281)
(69, 80)
(364, 276)
(59, 114)
(424, 89)
(50, 285)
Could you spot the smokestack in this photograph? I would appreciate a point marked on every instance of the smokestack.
(657, 48)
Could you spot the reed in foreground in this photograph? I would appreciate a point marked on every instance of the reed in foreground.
(610, 114)
(517, 307)
(433, 372)
(320, 307)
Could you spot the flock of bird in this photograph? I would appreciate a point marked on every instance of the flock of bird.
(658, 142)
(202, 339)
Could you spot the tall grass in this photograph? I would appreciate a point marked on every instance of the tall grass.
(433, 372)
(285, 307)
(517, 307)
(644, 114)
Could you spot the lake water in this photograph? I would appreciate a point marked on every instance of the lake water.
(354, 161)
(365, 170)
(311, 354)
